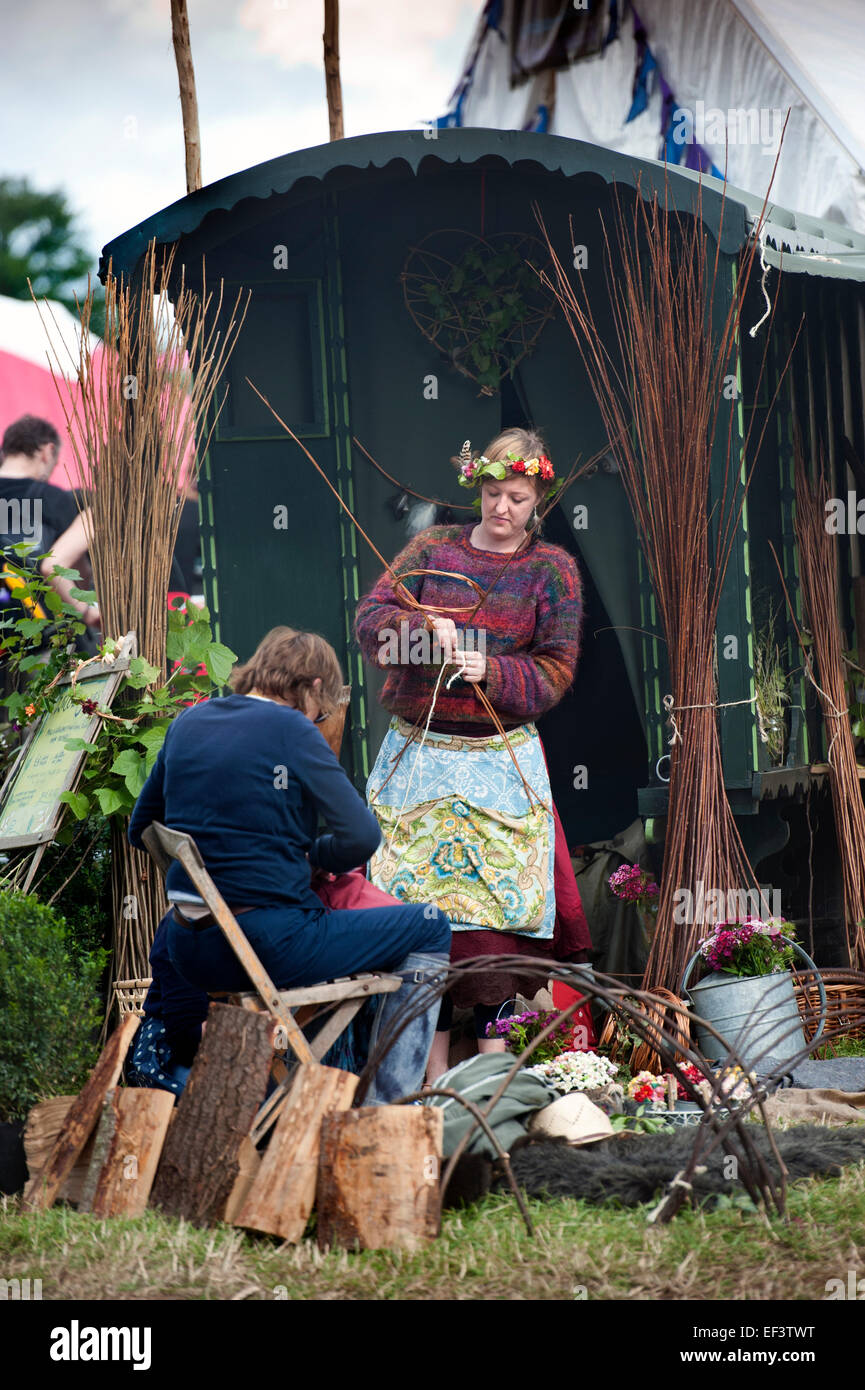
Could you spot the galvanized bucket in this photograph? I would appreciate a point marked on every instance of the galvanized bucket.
(757, 1015)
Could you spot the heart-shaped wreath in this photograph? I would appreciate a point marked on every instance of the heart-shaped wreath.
(478, 300)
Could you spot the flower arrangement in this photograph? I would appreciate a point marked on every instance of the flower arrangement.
(646, 1086)
(634, 885)
(519, 1030)
(735, 1086)
(749, 947)
(576, 1071)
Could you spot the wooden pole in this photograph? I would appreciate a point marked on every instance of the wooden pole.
(331, 68)
(188, 98)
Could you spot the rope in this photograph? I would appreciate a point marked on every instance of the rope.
(669, 707)
(765, 268)
(833, 713)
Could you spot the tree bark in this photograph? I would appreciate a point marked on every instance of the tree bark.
(122, 1183)
(188, 98)
(378, 1182)
(331, 68)
(201, 1158)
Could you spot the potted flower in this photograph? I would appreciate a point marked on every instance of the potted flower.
(519, 1030)
(747, 994)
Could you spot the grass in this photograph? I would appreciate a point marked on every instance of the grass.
(841, 1047)
(483, 1253)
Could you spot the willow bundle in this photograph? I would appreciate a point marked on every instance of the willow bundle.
(820, 600)
(661, 405)
(142, 404)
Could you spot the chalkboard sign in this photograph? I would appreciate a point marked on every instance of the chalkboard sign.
(30, 805)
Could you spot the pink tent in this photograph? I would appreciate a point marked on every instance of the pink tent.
(32, 341)
(26, 384)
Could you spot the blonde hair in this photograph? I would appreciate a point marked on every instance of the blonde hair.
(526, 444)
(285, 664)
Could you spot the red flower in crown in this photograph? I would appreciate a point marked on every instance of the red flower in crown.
(518, 466)
(546, 467)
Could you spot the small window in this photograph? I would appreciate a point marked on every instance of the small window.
(280, 349)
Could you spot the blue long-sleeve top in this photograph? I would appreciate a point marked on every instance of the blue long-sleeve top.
(247, 779)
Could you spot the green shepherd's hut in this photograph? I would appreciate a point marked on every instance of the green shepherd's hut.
(394, 303)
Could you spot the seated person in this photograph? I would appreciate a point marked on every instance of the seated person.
(174, 1011)
(246, 776)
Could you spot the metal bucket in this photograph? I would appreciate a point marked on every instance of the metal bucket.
(756, 1015)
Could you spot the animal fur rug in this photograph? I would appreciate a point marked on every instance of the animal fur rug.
(632, 1169)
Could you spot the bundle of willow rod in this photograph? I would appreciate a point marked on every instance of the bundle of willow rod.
(141, 407)
(661, 405)
(820, 601)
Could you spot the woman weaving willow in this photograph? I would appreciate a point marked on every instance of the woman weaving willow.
(465, 828)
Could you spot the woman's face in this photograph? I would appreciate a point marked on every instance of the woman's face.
(506, 506)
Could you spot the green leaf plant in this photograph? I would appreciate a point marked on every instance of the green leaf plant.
(122, 755)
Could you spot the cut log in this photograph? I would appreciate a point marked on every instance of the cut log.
(282, 1196)
(44, 1124)
(201, 1157)
(136, 1122)
(378, 1186)
(41, 1192)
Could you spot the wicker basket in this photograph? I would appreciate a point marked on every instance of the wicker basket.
(130, 996)
(845, 1003)
(645, 1056)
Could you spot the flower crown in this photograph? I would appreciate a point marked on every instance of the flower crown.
(473, 470)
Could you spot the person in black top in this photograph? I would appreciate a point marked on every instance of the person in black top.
(35, 511)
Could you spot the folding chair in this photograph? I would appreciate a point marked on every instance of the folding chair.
(349, 994)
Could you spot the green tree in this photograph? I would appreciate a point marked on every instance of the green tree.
(39, 239)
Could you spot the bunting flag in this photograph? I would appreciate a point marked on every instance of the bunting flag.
(647, 77)
(491, 18)
(674, 118)
(540, 122)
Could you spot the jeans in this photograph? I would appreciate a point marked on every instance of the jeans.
(299, 948)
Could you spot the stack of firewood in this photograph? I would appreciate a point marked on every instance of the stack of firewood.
(372, 1173)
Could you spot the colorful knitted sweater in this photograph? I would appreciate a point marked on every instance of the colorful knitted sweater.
(529, 626)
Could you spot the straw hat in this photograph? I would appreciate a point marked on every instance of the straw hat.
(573, 1117)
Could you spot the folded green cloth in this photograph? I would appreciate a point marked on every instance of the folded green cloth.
(478, 1079)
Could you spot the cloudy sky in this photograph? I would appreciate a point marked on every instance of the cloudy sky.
(90, 99)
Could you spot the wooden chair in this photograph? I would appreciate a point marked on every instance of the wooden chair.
(348, 994)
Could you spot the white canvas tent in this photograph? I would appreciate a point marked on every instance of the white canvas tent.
(702, 82)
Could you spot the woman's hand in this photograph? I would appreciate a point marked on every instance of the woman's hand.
(475, 664)
(445, 630)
